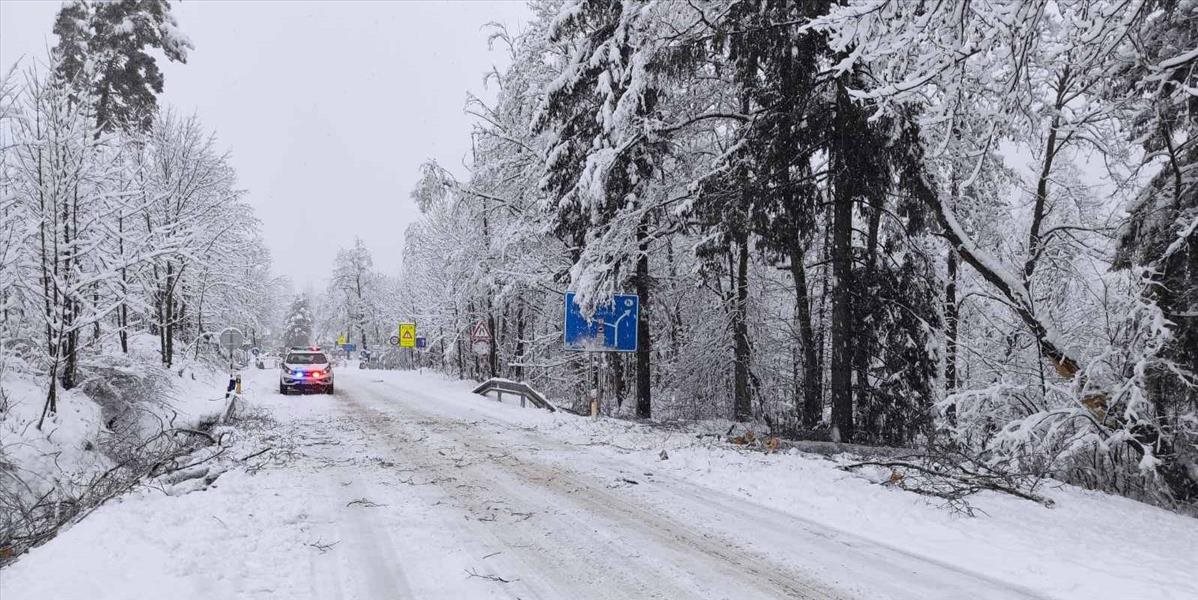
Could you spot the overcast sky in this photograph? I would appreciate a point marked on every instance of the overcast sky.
(327, 108)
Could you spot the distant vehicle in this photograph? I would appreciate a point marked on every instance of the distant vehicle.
(306, 369)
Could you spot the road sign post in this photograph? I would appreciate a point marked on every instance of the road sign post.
(407, 335)
(230, 338)
(407, 339)
(611, 327)
(480, 338)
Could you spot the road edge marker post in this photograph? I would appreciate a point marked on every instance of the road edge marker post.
(230, 338)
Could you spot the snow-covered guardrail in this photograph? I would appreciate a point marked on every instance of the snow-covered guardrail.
(503, 386)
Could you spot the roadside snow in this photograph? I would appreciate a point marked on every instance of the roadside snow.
(121, 400)
(63, 451)
(1089, 545)
(407, 507)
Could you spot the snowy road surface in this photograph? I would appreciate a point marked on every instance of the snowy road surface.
(404, 486)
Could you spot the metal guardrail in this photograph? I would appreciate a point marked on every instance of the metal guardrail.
(506, 386)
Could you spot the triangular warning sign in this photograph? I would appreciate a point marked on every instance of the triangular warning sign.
(407, 334)
(480, 333)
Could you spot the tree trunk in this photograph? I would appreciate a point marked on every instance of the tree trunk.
(950, 332)
(166, 317)
(51, 405)
(1040, 209)
(842, 285)
(70, 312)
(96, 323)
(458, 345)
(122, 319)
(644, 342)
(518, 368)
(742, 403)
(493, 347)
(810, 408)
(871, 415)
(615, 361)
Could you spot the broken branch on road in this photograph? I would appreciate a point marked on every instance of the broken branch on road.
(322, 546)
(473, 573)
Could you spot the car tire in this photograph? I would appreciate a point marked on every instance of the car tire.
(282, 389)
(329, 389)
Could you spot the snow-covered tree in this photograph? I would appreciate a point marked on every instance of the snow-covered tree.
(105, 50)
(888, 222)
(297, 325)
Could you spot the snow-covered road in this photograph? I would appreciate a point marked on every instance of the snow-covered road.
(569, 523)
(405, 486)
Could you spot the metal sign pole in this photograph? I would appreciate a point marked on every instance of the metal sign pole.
(594, 385)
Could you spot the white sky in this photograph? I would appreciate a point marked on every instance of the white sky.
(327, 108)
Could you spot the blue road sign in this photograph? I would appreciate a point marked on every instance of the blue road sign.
(349, 347)
(611, 329)
(421, 343)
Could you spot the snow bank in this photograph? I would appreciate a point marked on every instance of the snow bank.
(64, 450)
(120, 401)
(1089, 545)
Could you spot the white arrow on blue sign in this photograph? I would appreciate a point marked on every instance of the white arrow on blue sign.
(612, 328)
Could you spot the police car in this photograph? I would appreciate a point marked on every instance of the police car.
(306, 369)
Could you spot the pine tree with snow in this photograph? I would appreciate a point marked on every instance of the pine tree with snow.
(106, 48)
(297, 327)
(600, 168)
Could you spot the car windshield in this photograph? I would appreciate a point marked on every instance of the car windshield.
(306, 358)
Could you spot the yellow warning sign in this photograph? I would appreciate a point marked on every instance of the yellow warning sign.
(407, 335)
(341, 340)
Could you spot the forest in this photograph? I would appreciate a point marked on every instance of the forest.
(963, 226)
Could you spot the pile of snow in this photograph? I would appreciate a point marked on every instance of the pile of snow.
(121, 400)
(64, 451)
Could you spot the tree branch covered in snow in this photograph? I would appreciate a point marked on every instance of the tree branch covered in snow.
(874, 221)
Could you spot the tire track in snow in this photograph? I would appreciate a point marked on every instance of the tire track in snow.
(585, 517)
(865, 567)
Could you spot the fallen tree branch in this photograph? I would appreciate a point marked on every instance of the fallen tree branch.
(195, 432)
(962, 484)
(321, 546)
(258, 453)
(473, 573)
